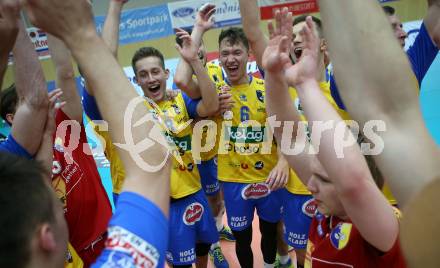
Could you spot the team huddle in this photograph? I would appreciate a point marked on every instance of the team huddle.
(327, 147)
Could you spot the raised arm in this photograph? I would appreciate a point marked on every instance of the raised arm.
(278, 100)
(45, 152)
(30, 117)
(386, 88)
(9, 20)
(250, 18)
(110, 31)
(209, 103)
(183, 78)
(113, 93)
(65, 78)
(345, 165)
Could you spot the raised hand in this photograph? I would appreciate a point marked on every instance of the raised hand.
(306, 68)
(54, 106)
(9, 18)
(205, 17)
(276, 56)
(189, 50)
(68, 26)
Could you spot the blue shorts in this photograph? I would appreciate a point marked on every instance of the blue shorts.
(137, 234)
(241, 200)
(298, 211)
(208, 175)
(191, 222)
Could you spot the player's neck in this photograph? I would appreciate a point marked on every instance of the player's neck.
(242, 81)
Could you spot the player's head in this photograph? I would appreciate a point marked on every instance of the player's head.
(234, 54)
(149, 68)
(202, 50)
(33, 229)
(9, 103)
(396, 24)
(297, 40)
(324, 190)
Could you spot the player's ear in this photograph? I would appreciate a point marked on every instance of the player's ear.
(323, 47)
(135, 80)
(167, 73)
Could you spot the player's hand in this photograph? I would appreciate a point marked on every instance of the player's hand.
(171, 94)
(276, 57)
(9, 24)
(205, 17)
(54, 105)
(69, 20)
(279, 175)
(306, 68)
(188, 51)
(226, 103)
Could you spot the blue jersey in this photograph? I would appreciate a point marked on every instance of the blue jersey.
(421, 55)
(10, 145)
(137, 235)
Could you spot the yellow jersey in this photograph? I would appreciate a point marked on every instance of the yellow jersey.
(246, 150)
(173, 114)
(72, 258)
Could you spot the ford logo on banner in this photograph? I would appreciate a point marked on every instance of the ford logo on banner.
(183, 12)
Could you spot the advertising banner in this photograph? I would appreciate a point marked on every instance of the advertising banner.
(141, 24)
(183, 13)
(297, 7)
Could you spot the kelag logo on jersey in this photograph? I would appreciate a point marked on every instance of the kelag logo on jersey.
(182, 143)
(193, 213)
(245, 134)
(255, 191)
(309, 208)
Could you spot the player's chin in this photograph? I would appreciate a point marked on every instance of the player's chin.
(323, 209)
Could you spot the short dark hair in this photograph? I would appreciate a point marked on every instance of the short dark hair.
(317, 22)
(234, 35)
(145, 52)
(8, 101)
(390, 11)
(26, 201)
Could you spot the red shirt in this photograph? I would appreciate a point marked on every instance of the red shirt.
(334, 243)
(77, 183)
